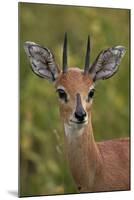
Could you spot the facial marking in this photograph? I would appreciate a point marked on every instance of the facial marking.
(80, 113)
(61, 87)
(79, 107)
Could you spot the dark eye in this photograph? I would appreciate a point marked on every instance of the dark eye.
(91, 94)
(62, 94)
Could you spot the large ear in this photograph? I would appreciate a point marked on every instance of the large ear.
(42, 61)
(107, 62)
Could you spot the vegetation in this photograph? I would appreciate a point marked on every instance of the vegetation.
(43, 167)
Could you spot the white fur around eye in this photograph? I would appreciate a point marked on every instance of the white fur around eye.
(60, 87)
(92, 87)
(87, 97)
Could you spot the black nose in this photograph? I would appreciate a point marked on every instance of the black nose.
(80, 115)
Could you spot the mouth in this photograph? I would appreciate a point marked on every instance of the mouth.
(79, 122)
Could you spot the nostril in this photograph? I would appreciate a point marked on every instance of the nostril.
(80, 115)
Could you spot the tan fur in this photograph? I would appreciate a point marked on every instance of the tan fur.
(102, 166)
(74, 82)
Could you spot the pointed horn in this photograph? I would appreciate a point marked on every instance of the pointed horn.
(65, 54)
(87, 59)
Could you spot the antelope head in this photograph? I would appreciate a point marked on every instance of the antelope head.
(75, 87)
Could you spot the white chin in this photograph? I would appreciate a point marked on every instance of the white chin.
(74, 129)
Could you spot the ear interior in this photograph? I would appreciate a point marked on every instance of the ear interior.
(42, 61)
(107, 63)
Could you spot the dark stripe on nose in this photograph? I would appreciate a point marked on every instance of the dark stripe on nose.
(80, 113)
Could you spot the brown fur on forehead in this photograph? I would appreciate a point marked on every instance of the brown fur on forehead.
(74, 81)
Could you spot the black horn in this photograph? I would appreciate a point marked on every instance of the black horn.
(87, 59)
(65, 54)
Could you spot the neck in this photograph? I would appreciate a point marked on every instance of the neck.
(83, 155)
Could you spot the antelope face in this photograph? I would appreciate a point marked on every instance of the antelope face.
(75, 91)
(75, 87)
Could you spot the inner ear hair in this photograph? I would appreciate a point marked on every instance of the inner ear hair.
(42, 61)
(107, 63)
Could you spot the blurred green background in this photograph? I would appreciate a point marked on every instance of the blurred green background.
(43, 167)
